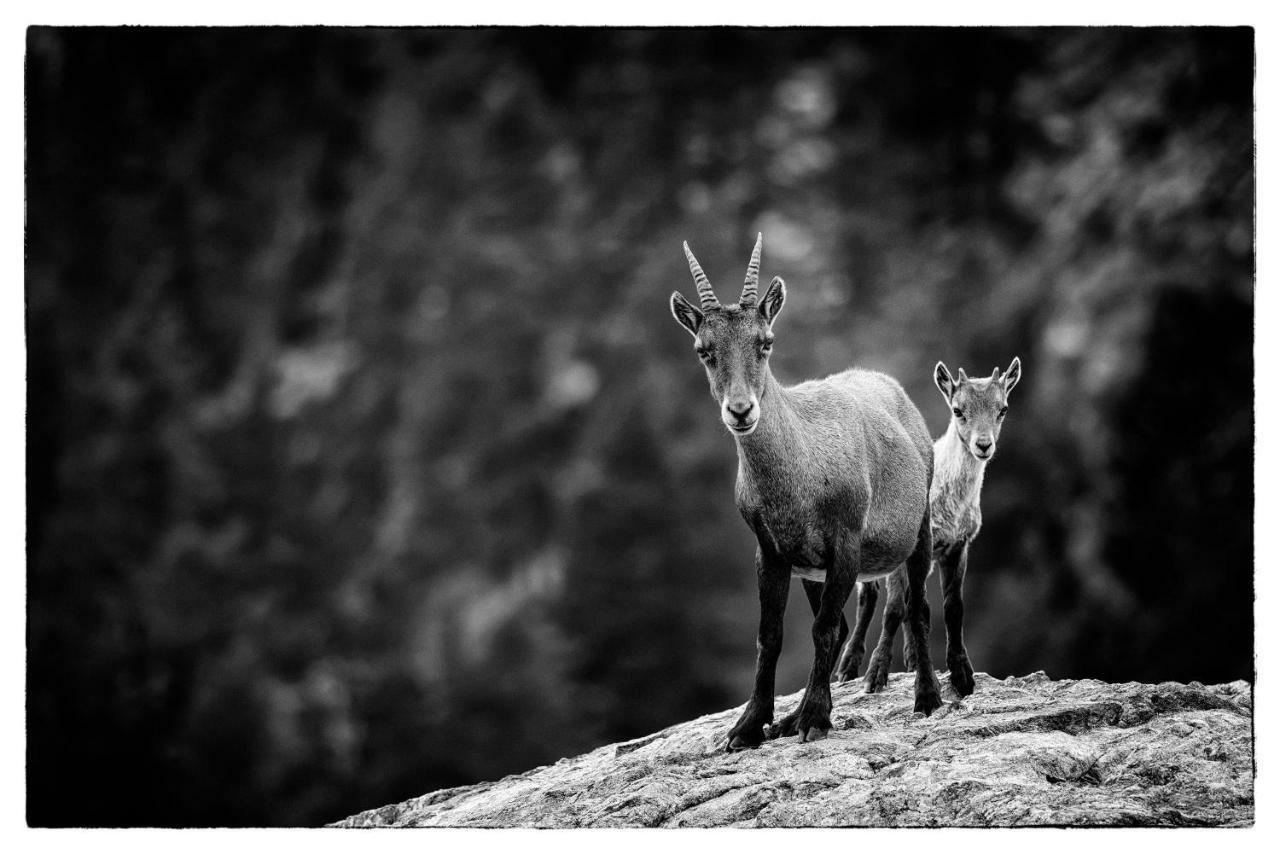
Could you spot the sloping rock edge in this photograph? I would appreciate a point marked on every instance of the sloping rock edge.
(1021, 751)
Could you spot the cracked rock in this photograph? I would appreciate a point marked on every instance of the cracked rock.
(1021, 751)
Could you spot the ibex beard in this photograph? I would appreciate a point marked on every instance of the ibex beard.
(833, 479)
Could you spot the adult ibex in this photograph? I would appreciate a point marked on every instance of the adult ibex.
(833, 478)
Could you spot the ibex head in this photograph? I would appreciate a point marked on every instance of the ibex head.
(978, 406)
(733, 341)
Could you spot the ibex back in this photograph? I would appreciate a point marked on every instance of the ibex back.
(833, 479)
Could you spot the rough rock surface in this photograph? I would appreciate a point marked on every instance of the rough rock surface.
(1021, 751)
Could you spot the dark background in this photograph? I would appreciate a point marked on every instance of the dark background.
(364, 457)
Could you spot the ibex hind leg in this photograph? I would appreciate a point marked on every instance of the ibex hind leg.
(813, 592)
(928, 693)
(851, 656)
(894, 611)
(909, 641)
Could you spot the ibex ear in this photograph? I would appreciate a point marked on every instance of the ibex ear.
(942, 379)
(774, 296)
(1012, 375)
(684, 313)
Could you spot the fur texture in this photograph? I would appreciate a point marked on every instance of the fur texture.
(833, 480)
(850, 450)
(957, 488)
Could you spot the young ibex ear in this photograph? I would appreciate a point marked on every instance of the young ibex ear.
(1012, 375)
(942, 379)
(774, 296)
(684, 313)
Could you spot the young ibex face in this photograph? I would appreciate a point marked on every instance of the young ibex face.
(978, 406)
(733, 341)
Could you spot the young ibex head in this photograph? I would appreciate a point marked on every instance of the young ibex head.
(978, 406)
(733, 341)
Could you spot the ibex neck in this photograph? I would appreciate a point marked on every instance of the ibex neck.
(956, 469)
(769, 452)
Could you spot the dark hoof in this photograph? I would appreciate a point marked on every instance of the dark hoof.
(785, 727)
(745, 735)
(961, 676)
(744, 742)
(848, 668)
(928, 701)
(813, 723)
(737, 743)
(877, 675)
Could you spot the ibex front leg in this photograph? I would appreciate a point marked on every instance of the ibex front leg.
(812, 719)
(953, 562)
(813, 592)
(774, 578)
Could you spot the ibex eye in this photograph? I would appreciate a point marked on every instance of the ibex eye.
(1003, 410)
(957, 413)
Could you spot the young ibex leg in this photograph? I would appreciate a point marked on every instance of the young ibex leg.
(774, 579)
(928, 693)
(953, 563)
(894, 610)
(812, 718)
(851, 657)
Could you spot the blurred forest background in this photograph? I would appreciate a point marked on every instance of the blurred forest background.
(364, 457)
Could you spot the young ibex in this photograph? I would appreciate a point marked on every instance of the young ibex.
(960, 458)
(833, 478)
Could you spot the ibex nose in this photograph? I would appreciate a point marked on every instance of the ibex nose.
(740, 409)
(983, 445)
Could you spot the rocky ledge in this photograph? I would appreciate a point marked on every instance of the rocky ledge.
(1021, 751)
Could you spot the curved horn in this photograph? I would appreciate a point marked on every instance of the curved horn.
(705, 295)
(753, 274)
